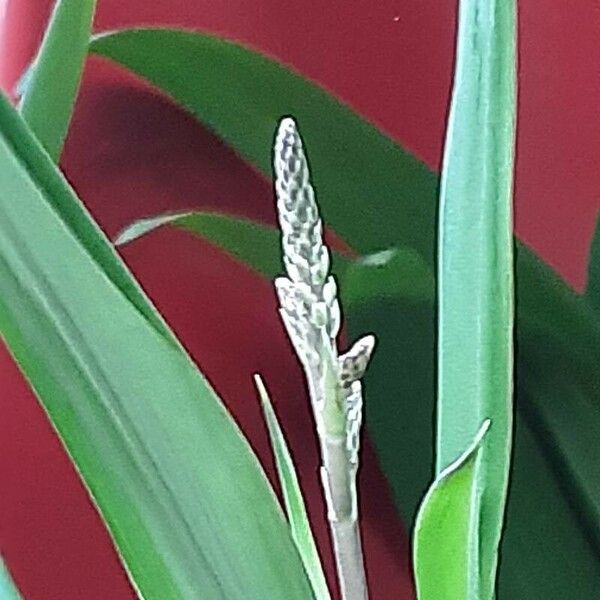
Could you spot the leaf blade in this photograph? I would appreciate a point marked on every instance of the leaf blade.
(292, 495)
(254, 243)
(475, 263)
(53, 79)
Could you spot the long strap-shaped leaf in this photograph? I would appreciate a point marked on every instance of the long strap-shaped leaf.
(183, 496)
(53, 79)
(292, 496)
(475, 270)
(192, 68)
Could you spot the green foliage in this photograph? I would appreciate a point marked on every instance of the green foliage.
(183, 496)
(445, 548)
(50, 87)
(377, 197)
(292, 496)
(475, 271)
(254, 243)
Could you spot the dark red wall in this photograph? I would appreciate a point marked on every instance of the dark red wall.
(131, 153)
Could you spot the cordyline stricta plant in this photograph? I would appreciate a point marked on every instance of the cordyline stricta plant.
(182, 494)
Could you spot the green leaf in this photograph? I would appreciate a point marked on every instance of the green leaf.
(292, 496)
(52, 81)
(183, 496)
(593, 284)
(446, 530)
(546, 552)
(377, 196)
(396, 271)
(254, 243)
(209, 76)
(475, 266)
(8, 589)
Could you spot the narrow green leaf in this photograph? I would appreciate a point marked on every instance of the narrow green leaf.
(254, 243)
(593, 284)
(446, 530)
(292, 496)
(396, 271)
(8, 589)
(549, 557)
(53, 79)
(475, 269)
(149, 436)
(377, 196)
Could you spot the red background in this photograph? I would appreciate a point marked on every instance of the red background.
(131, 153)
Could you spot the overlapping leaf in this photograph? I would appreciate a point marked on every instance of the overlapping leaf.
(396, 272)
(292, 495)
(183, 496)
(49, 90)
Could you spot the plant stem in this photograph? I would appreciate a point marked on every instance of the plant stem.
(339, 483)
(310, 310)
